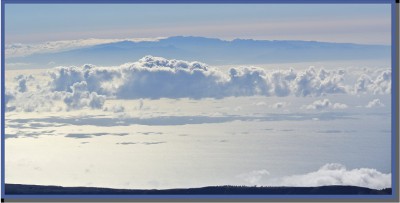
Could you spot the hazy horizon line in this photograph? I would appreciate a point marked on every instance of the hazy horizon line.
(26, 49)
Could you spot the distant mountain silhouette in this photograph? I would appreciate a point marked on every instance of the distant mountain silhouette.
(211, 51)
(17, 189)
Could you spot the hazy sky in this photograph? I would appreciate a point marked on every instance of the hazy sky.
(365, 23)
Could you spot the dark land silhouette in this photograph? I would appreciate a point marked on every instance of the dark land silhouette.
(19, 189)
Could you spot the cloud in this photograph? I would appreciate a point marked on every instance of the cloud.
(63, 78)
(115, 108)
(8, 96)
(156, 77)
(279, 105)
(22, 80)
(380, 85)
(261, 103)
(338, 174)
(30, 101)
(16, 65)
(246, 81)
(280, 80)
(254, 177)
(18, 49)
(317, 83)
(325, 104)
(375, 103)
(80, 97)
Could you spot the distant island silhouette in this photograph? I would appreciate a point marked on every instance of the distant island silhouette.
(211, 51)
(20, 189)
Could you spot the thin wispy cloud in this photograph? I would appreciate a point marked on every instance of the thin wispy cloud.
(19, 49)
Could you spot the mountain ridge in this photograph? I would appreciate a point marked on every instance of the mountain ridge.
(212, 51)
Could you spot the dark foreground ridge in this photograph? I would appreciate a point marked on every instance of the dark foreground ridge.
(18, 189)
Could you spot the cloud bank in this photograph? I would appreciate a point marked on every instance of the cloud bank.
(156, 77)
(152, 77)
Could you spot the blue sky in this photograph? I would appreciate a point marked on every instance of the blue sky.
(366, 23)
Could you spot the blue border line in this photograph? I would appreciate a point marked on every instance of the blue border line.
(2, 99)
(380, 197)
(394, 92)
(202, 1)
(394, 95)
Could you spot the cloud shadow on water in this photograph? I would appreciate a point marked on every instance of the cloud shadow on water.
(126, 143)
(158, 121)
(152, 143)
(184, 120)
(25, 134)
(90, 135)
(336, 131)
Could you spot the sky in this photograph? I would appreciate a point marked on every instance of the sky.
(366, 23)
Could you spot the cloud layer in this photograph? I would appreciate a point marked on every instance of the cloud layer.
(156, 77)
(151, 77)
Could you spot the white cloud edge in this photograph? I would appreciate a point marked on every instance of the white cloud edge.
(375, 103)
(328, 174)
(325, 104)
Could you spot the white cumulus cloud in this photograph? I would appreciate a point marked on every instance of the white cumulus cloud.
(22, 80)
(338, 174)
(375, 103)
(156, 77)
(317, 83)
(80, 97)
(381, 84)
(325, 104)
